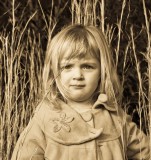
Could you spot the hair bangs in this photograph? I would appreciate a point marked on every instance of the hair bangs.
(78, 46)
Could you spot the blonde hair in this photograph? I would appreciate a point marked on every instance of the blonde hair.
(77, 41)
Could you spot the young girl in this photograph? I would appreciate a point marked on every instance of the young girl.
(79, 117)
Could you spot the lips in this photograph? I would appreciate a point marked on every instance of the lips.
(78, 85)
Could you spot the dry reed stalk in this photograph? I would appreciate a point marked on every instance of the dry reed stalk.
(76, 12)
(124, 69)
(119, 24)
(87, 12)
(109, 33)
(142, 96)
(102, 7)
(148, 55)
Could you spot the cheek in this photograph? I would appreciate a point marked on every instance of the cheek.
(95, 81)
(64, 78)
(96, 77)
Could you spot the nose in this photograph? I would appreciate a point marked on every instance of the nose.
(77, 74)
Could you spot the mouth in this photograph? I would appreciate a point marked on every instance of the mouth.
(78, 86)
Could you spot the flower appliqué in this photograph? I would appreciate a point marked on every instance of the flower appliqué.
(62, 122)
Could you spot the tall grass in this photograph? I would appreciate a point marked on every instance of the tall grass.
(21, 83)
(22, 58)
(148, 57)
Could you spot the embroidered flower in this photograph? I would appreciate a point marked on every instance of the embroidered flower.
(62, 122)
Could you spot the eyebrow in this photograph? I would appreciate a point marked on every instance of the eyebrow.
(66, 61)
(83, 63)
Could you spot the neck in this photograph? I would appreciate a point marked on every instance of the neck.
(80, 106)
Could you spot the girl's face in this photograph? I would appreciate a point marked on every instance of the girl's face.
(79, 78)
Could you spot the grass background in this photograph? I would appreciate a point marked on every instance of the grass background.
(24, 32)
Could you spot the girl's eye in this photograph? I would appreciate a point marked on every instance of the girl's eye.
(87, 67)
(67, 67)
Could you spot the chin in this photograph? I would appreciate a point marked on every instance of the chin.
(78, 99)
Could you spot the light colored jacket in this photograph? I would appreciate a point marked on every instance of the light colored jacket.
(64, 134)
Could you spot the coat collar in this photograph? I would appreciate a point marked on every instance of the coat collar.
(66, 126)
(102, 101)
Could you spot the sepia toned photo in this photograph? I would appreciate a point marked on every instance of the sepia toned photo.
(75, 79)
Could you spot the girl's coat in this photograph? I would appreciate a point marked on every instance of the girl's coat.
(100, 134)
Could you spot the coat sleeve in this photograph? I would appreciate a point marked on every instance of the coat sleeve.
(31, 143)
(137, 142)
